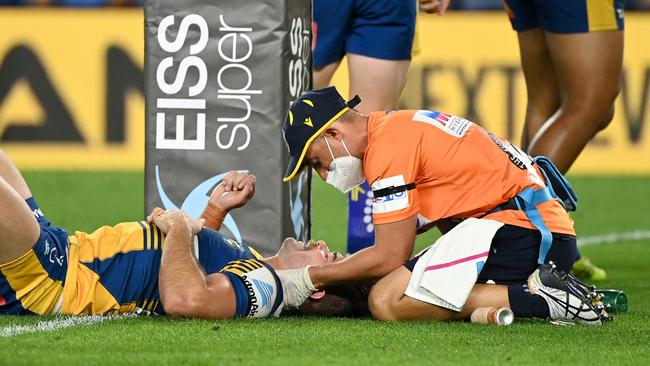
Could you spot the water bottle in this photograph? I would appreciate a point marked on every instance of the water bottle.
(615, 301)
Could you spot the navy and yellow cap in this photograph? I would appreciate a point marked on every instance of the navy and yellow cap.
(307, 118)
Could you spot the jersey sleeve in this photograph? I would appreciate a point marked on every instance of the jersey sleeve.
(393, 162)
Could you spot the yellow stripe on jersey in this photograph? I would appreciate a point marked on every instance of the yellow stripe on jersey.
(242, 266)
(255, 253)
(602, 15)
(128, 308)
(249, 264)
(125, 237)
(34, 288)
(415, 48)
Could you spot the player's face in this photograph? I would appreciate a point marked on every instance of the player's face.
(296, 254)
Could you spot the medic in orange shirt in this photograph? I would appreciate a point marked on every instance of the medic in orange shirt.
(429, 169)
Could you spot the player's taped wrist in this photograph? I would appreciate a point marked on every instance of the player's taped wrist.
(297, 286)
(213, 216)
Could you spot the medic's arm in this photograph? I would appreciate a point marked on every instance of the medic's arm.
(393, 246)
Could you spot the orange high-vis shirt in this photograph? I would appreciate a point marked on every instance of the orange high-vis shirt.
(460, 170)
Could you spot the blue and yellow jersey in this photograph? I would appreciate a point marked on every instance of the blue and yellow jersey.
(112, 270)
(117, 267)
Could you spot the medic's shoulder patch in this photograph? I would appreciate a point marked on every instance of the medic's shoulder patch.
(392, 202)
(450, 124)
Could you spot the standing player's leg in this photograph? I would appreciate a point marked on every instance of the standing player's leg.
(378, 82)
(19, 229)
(323, 75)
(588, 68)
(379, 46)
(543, 91)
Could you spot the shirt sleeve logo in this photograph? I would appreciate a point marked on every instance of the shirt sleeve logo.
(392, 202)
(452, 125)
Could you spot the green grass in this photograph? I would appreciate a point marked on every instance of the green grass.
(84, 201)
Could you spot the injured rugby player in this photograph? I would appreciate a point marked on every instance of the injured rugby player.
(169, 264)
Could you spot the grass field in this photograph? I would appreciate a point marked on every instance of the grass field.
(84, 201)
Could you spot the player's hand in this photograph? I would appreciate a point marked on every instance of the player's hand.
(434, 6)
(157, 211)
(236, 189)
(165, 220)
(296, 286)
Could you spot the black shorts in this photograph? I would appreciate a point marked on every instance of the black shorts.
(514, 253)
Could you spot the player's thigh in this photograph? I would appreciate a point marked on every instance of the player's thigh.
(378, 82)
(387, 301)
(588, 66)
(322, 76)
(585, 39)
(19, 229)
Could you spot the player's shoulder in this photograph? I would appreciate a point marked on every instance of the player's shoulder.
(216, 249)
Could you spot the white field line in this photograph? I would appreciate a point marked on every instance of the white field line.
(613, 237)
(60, 323)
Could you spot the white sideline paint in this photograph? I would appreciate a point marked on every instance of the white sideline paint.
(64, 322)
(613, 238)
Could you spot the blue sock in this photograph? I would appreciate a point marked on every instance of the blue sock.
(526, 305)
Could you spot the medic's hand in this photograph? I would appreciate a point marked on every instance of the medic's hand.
(234, 191)
(434, 6)
(296, 285)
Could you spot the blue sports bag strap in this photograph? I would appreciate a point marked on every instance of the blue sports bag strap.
(532, 198)
(560, 186)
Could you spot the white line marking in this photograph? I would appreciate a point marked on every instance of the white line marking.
(60, 323)
(614, 238)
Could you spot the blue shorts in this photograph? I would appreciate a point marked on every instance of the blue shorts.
(33, 283)
(382, 29)
(514, 252)
(566, 16)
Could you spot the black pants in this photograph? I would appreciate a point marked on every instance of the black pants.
(514, 252)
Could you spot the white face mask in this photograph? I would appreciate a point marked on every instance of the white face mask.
(345, 172)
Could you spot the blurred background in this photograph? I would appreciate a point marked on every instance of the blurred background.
(72, 105)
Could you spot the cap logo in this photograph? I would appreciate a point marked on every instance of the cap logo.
(290, 118)
(308, 102)
(308, 122)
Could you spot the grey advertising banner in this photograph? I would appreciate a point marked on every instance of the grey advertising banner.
(219, 77)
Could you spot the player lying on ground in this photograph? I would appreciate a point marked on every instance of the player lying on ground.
(124, 269)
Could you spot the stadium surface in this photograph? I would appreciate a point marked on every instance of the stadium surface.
(612, 220)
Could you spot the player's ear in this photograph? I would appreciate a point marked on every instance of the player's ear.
(317, 295)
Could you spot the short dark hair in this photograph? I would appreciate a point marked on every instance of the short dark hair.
(341, 301)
